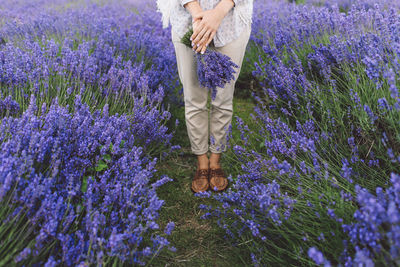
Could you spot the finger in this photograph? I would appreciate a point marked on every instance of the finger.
(198, 38)
(196, 31)
(198, 16)
(204, 46)
(200, 48)
(197, 27)
(210, 38)
(194, 27)
(196, 22)
(196, 19)
(200, 26)
(204, 39)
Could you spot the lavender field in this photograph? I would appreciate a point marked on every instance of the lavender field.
(95, 167)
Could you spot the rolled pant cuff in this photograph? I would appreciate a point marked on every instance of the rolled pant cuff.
(217, 151)
(199, 152)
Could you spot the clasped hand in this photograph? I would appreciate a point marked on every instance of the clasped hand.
(205, 26)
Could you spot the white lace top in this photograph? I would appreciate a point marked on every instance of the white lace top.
(238, 18)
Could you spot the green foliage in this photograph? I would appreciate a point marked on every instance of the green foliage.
(186, 38)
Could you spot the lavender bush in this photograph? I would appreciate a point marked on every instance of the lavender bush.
(77, 174)
(79, 185)
(59, 53)
(8, 107)
(345, 5)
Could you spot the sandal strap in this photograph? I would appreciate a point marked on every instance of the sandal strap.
(217, 172)
(217, 176)
(201, 174)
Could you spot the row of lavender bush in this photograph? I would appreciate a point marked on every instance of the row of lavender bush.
(83, 111)
(320, 163)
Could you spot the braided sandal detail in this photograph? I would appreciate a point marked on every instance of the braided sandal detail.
(218, 179)
(200, 181)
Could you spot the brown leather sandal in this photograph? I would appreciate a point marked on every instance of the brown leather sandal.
(200, 181)
(218, 179)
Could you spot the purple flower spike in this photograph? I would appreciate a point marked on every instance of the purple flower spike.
(214, 70)
(318, 257)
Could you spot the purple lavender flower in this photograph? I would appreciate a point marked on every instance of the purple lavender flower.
(318, 257)
(377, 223)
(8, 105)
(383, 104)
(214, 70)
(23, 254)
(168, 229)
(371, 115)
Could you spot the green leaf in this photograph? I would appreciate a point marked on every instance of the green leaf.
(111, 147)
(107, 157)
(84, 184)
(121, 145)
(101, 165)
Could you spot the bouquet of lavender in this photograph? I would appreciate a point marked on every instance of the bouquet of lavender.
(213, 68)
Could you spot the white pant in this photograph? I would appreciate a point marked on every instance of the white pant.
(195, 96)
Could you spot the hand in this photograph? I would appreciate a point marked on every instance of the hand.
(194, 8)
(195, 26)
(209, 22)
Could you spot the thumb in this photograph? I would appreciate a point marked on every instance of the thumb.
(197, 16)
(196, 19)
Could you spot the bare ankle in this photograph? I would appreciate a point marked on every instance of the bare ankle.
(202, 162)
(215, 166)
(214, 161)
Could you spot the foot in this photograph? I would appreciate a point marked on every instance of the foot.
(218, 181)
(200, 181)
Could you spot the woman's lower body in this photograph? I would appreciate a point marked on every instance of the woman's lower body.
(208, 134)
